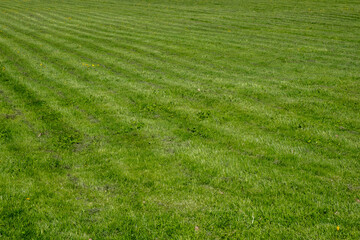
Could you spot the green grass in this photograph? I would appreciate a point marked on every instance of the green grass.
(155, 119)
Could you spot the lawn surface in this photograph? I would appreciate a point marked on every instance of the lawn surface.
(209, 119)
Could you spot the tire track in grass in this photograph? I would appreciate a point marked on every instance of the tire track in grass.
(139, 26)
(90, 57)
(263, 189)
(80, 99)
(268, 39)
(263, 39)
(29, 97)
(165, 20)
(153, 53)
(65, 136)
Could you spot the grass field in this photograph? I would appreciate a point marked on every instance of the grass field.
(202, 119)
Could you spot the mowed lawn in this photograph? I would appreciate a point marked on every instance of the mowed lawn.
(183, 119)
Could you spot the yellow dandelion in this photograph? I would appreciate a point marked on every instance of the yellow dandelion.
(93, 65)
(40, 64)
(28, 198)
(338, 228)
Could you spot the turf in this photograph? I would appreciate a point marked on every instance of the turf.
(202, 119)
